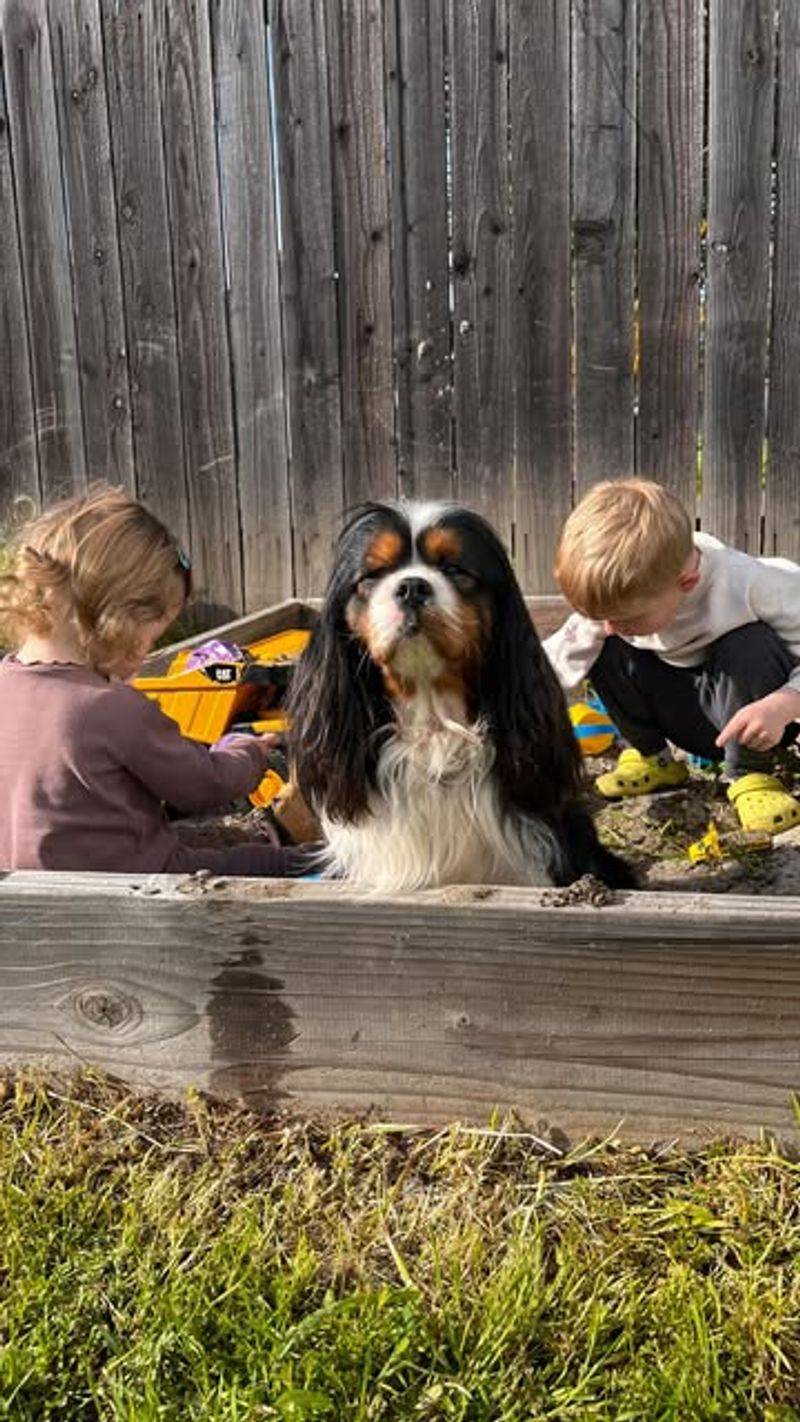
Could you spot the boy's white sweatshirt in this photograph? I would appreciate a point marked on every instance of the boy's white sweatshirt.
(733, 590)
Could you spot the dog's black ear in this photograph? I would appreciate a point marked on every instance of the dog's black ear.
(538, 762)
(337, 707)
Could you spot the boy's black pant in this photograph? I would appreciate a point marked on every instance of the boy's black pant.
(652, 702)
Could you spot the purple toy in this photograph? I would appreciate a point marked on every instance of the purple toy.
(212, 653)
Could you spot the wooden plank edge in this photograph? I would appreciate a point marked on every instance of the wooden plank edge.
(623, 907)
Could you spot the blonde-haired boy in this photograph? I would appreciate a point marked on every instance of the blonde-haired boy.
(688, 642)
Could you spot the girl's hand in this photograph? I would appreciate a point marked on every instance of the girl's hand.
(762, 724)
(266, 739)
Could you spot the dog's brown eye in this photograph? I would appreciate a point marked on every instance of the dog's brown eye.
(460, 576)
(365, 585)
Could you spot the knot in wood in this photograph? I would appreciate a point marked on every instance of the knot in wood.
(108, 1008)
(594, 238)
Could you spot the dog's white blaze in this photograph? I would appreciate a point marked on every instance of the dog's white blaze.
(422, 516)
(436, 817)
(385, 615)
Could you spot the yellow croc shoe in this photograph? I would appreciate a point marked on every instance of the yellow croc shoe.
(762, 803)
(637, 774)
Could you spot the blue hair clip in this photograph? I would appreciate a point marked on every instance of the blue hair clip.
(184, 560)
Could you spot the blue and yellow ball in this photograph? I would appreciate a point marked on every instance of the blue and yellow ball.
(596, 733)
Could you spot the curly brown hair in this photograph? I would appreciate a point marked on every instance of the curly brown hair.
(100, 562)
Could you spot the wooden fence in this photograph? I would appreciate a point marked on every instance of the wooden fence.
(259, 261)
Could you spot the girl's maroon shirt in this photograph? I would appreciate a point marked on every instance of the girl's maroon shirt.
(86, 765)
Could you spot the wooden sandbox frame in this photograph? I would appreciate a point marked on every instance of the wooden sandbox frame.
(654, 1015)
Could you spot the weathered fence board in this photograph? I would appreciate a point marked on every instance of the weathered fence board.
(135, 43)
(481, 259)
(656, 1015)
(79, 69)
(670, 210)
(741, 96)
(363, 247)
(250, 218)
(541, 301)
(263, 260)
(309, 285)
(604, 108)
(19, 464)
(418, 153)
(203, 348)
(44, 246)
(782, 533)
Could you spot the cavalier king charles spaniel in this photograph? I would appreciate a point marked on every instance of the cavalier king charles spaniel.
(429, 731)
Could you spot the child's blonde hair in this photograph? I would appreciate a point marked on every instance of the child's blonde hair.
(626, 539)
(102, 563)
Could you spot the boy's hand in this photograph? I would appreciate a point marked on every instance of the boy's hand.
(762, 724)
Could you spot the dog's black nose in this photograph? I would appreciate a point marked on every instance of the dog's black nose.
(413, 592)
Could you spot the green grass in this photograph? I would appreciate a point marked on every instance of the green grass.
(168, 1262)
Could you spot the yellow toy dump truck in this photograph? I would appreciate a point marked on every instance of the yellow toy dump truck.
(220, 682)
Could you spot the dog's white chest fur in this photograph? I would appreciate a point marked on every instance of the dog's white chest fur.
(435, 817)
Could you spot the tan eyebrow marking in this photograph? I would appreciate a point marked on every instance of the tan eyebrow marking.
(384, 550)
(441, 545)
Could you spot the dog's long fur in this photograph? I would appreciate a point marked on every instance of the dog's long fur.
(429, 731)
